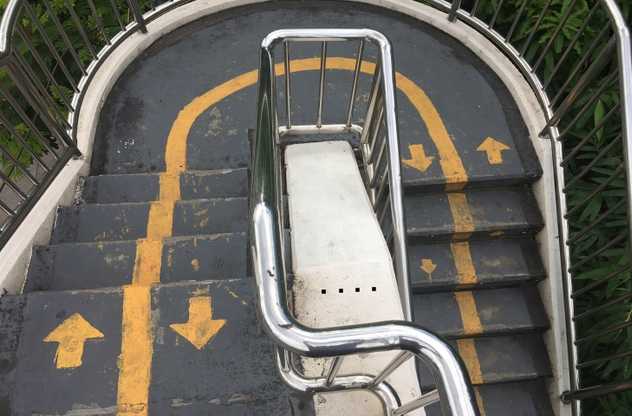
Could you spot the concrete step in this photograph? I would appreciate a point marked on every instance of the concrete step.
(128, 221)
(472, 213)
(11, 318)
(500, 359)
(143, 187)
(136, 346)
(525, 398)
(76, 266)
(440, 266)
(481, 312)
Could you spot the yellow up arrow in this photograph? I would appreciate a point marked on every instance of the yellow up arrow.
(201, 326)
(418, 159)
(71, 335)
(494, 150)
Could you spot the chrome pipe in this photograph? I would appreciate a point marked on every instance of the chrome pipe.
(321, 92)
(356, 77)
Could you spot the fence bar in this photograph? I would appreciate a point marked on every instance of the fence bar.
(81, 29)
(288, 91)
(454, 10)
(99, 21)
(333, 370)
(64, 37)
(356, 77)
(321, 92)
(554, 36)
(400, 359)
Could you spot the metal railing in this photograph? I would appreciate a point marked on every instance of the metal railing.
(267, 227)
(580, 67)
(49, 52)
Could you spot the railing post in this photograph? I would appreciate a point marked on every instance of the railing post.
(138, 15)
(454, 11)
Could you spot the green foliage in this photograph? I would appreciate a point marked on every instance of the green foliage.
(604, 250)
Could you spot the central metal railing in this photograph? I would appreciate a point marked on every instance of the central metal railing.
(268, 226)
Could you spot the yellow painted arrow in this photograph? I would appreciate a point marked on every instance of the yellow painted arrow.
(201, 326)
(494, 150)
(71, 335)
(418, 159)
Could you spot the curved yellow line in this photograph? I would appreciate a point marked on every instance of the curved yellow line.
(449, 159)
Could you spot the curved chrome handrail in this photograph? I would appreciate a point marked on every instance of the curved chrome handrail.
(269, 266)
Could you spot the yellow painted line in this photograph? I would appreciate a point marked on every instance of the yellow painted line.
(463, 261)
(480, 402)
(467, 351)
(461, 214)
(469, 313)
(136, 352)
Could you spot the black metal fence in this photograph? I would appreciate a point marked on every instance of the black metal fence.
(49, 51)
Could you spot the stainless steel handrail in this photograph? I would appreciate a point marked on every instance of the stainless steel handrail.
(269, 266)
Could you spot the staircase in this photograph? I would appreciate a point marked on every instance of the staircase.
(92, 335)
(87, 270)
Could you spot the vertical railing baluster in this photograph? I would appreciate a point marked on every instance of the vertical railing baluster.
(400, 359)
(84, 36)
(495, 16)
(50, 46)
(27, 120)
(570, 47)
(40, 93)
(288, 90)
(477, 3)
(117, 15)
(43, 67)
(333, 370)
(554, 36)
(64, 37)
(515, 22)
(536, 27)
(98, 21)
(14, 133)
(356, 77)
(138, 15)
(454, 10)
(321, 92)
(369, 118)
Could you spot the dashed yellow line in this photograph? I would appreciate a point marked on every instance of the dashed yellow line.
(463, 261)
(137, 338)
(467, 351)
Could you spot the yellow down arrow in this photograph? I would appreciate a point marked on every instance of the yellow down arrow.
(494, 150)
(71, 335)
(418, 159)
(201, 326)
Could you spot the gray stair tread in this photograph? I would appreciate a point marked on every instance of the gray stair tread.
(467, 264)
(11, 310)
(128, 221)
(500, 311)
(108, 264)
(232, 373)
(109, 189)
(524, 398)
(504, 359)
(493, 212)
